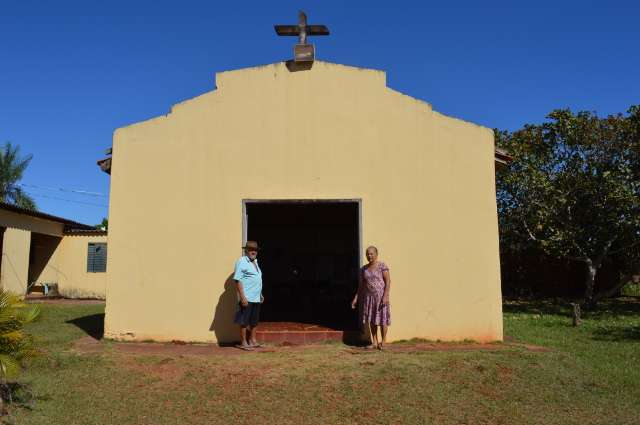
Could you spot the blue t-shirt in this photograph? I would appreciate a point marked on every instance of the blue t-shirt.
(249, 274)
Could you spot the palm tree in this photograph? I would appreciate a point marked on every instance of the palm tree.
(15, 345)
(11, 169)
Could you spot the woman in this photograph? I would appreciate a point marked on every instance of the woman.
(373, 298)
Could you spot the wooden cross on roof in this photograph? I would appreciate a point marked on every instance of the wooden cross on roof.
(303, 51)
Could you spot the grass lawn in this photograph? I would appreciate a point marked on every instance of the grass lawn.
(590, 375)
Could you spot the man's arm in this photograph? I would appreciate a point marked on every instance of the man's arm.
(240, 290)
(237, 275)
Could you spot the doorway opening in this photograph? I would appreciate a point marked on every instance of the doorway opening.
(310, 257)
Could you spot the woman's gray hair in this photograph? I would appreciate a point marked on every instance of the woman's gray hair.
(372, 247)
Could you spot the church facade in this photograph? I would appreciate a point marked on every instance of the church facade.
(315, 163)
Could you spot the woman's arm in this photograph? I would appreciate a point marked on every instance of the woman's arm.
(387, 286)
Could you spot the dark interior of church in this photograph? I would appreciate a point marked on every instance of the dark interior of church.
(309, 256)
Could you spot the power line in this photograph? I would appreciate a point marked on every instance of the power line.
(60, 189)
(67, 200)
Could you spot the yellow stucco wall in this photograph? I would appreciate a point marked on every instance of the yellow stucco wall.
(14, 270)
(68, 267)
(426, 182)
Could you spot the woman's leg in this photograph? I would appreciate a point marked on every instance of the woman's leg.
(374, 335)
(383, 331)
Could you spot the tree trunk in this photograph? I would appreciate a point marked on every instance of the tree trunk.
(592, 269)
(589, 300)
(576, 314)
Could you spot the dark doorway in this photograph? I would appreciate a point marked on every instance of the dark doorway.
(40, 252)
(310, 259)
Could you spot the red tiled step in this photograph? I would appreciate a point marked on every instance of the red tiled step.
(299, 333)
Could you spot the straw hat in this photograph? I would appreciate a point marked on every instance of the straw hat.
(251, 245)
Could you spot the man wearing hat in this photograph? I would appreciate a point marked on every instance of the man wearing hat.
(248, 277)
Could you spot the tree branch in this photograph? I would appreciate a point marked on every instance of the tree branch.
(604, 252)
(526, 227)
(626, 247)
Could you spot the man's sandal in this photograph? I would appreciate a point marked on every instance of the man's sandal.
(244, 347)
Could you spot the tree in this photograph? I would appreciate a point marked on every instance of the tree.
(11, 169)
(104, 225)
(573, 189)
(15, 345)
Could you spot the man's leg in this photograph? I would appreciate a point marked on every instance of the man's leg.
(243, 336)
(252, 339)
(255, 317)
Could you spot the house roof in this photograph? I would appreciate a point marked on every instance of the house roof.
(105, 165)
(85, 232)
(502, 158)
(69, 225)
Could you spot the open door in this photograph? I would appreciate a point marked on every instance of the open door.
(310, 256)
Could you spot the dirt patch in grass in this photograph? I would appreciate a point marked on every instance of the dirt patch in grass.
(531, 347)
(449, 347)
(90, 345)
(162, 370)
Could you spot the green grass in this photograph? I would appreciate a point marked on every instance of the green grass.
(631, 290)
(591, 375)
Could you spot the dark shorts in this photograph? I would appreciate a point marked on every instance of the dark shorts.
(249, 315)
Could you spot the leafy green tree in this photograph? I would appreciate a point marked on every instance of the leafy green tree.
(12, 167)
(573, 189)
(15, 345)
(104, 224)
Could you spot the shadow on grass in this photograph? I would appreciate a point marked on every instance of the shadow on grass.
(544, 307)
(613, 307)
(626, 333)
(93, 325)
(622, 306)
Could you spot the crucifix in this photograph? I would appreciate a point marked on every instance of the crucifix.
(303, 51)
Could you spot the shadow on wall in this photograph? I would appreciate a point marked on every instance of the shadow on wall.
(225, 330)
(41, 251)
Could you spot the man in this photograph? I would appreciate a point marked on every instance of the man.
(248, 277)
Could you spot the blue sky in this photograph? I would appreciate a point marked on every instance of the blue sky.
(73, 71)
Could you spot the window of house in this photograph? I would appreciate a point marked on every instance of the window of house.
(97, 258)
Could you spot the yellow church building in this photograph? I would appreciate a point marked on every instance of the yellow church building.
(315, 162)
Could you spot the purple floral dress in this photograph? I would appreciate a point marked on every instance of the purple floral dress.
(370, 296)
